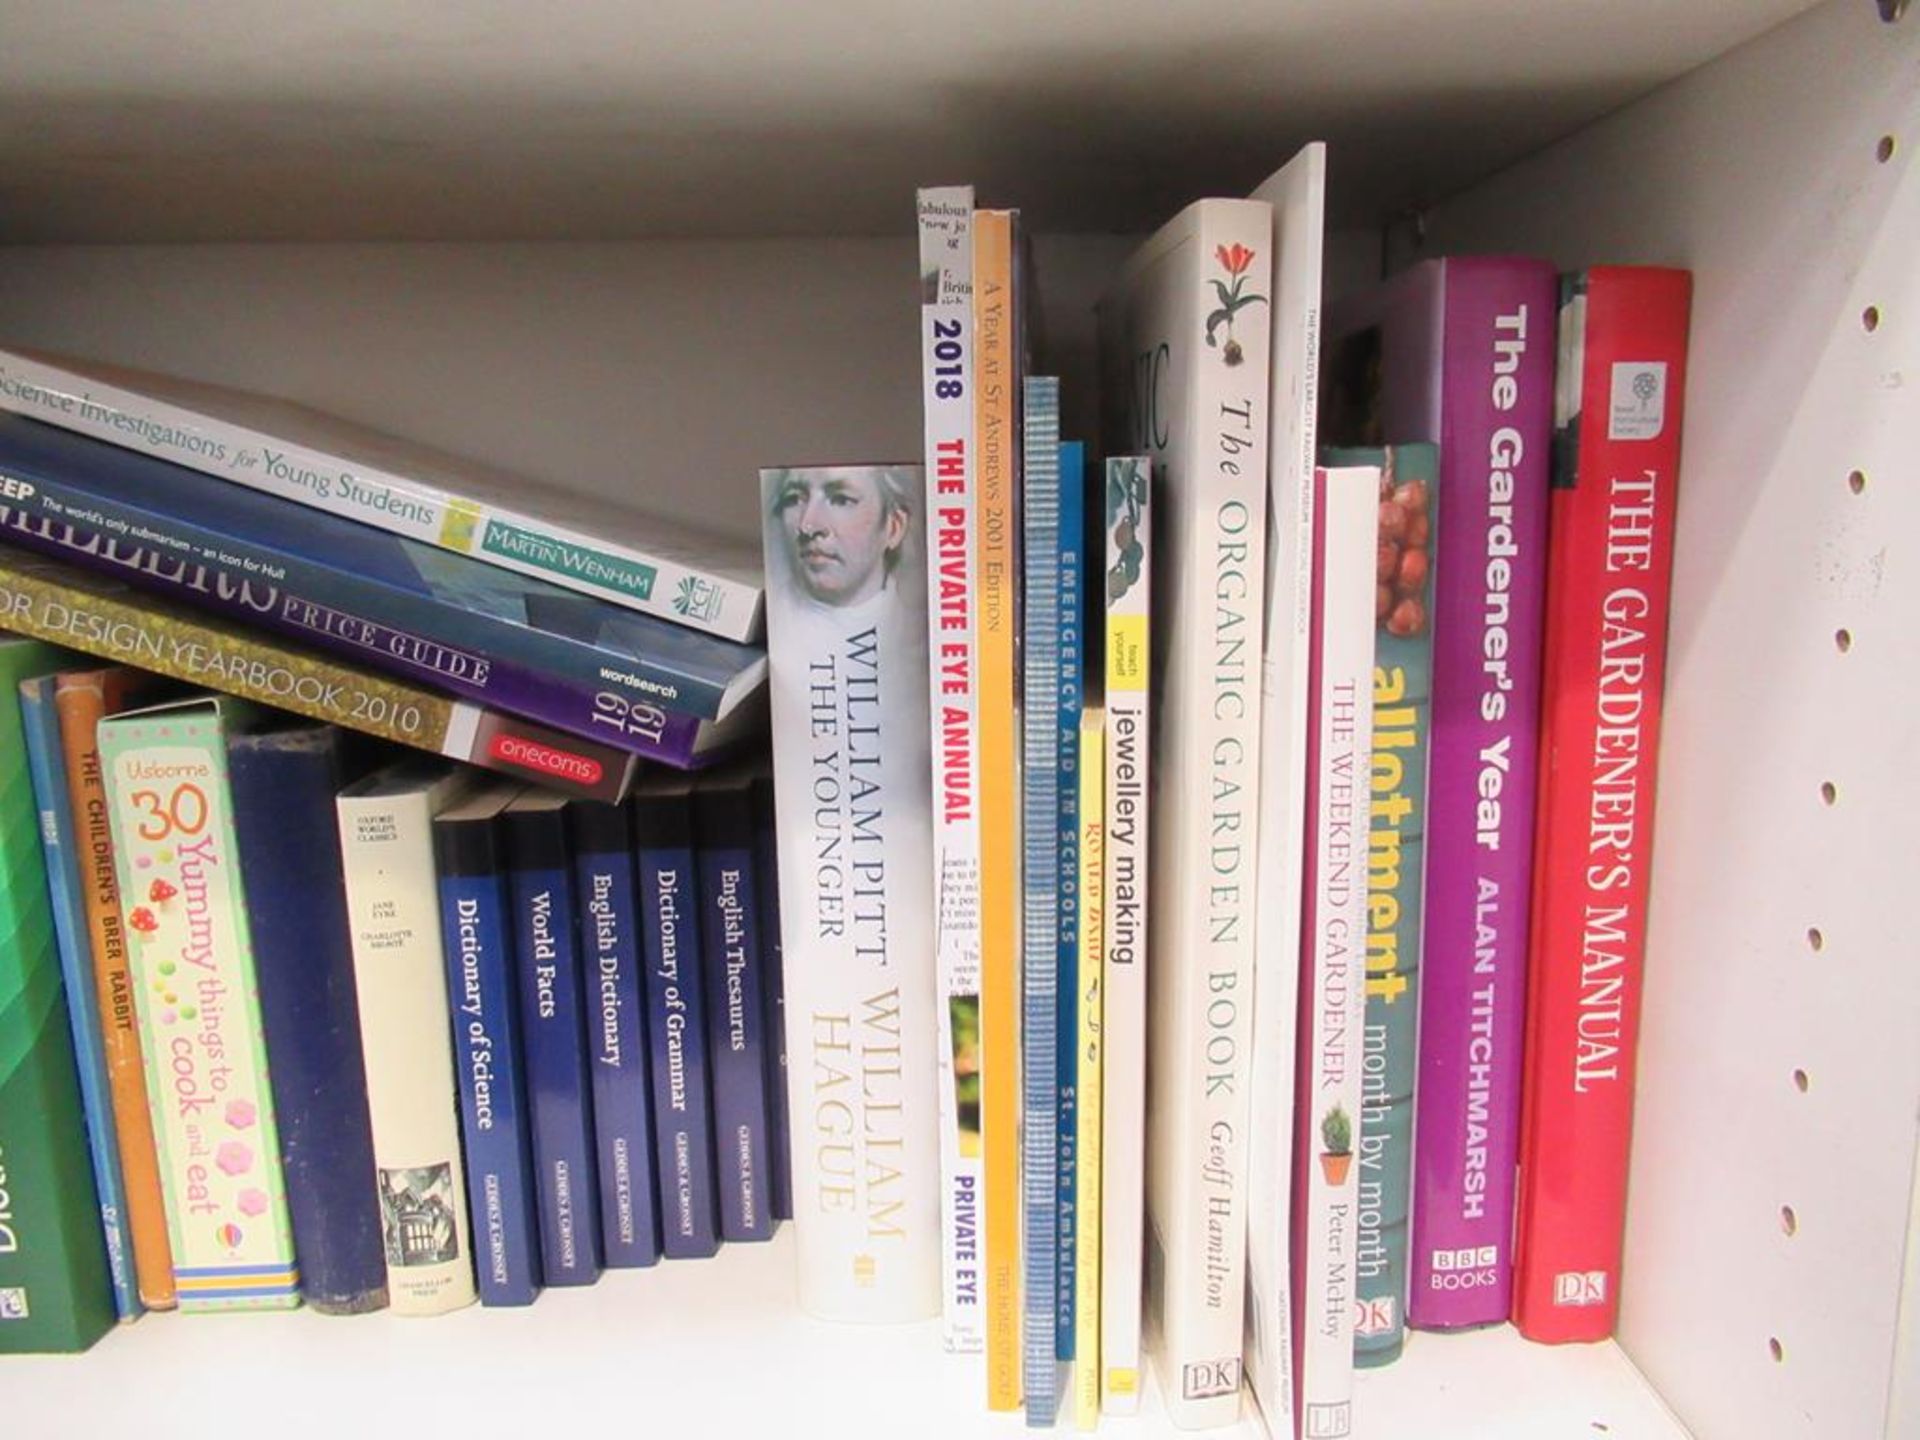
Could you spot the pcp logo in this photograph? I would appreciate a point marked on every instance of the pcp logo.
(13, 1304)
(1580, 1287)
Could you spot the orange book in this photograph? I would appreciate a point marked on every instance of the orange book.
(996, 448)
(83, 698)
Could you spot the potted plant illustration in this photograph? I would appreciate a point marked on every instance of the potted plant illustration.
(1234, 296)
(1336, 1145)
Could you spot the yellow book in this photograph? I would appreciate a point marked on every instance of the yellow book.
(1086, 1300)
(996, 395)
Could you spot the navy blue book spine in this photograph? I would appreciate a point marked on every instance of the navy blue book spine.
(553, 1038)
(284, 783)
(477, 933)
(773, 992)
(1072, 651)
(432, 614)
(616, 1033)
(736, 1021)
(676, 1022)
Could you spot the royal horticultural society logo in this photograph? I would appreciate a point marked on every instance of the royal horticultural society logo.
(1234, 297)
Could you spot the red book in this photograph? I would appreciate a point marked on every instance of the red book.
(1623, 348)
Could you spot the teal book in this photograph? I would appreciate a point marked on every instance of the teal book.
(1396, 870)
(56, 1293)
(66, 887)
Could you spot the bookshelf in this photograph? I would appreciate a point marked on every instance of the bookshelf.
(620, 327)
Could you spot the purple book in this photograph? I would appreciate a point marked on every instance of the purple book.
(1460, 352)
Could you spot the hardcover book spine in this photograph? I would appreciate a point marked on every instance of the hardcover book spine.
(1623, 344)
(642, 580)
(191, 962)
(1489, 583)
(616, 1035)
(766, 879)
(1333, 968)
(559, 1094)
(997, 518)
(1071, 615)
(1396, 868)
(1128, 588)
(676, 1024)
(40, 721)
(1041, 771)
(41, 601)
(946, 270)
(475, 918)
(400, 983)
(284, 783)
(736, 1037)
(55, 1291)
(1188, 368)
(1297, 192)
(414, 637)
(83, 700)
(847, 651)
(1089, 1060)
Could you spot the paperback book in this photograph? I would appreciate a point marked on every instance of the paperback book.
(191, 961)
(1458, 351)
(56, 1293)
(476, 917)
(100, 616)
(644, 562)
(61, 843)
(400, 985)
(1068, 709)
(409, 609)
(847, 637)
(1617, 413)
(1184, 361)
(766, 879)
(947, 393)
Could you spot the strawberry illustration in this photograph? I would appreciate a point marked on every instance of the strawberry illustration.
(161, 891)
(142, 920)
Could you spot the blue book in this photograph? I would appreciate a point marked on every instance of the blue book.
(553, 1037)
(284, 782)
(1072, 644)
(676, 1017)
(1041, 1120)
(766, 879)
(616, 1032)
(476, 928)
(736, 1020)
(47, 770)
(401, 606)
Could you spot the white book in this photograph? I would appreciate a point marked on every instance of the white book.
(1332, 966)
(1126, 590)
(946, 339)
(1298, 196)
(1184, 347)
(400, 979)
(847, 675)
(644, 562)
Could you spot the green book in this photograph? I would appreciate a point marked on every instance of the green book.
(55, 1290)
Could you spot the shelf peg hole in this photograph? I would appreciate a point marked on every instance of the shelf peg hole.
(1829, 792)
(1801, 1081)
(1883, 152)
(1776, 1349)
(1856, 481)
(1789, 1222)
(1870, 318)
(1816, 941)
(1843, 639)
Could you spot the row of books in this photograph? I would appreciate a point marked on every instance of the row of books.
(1276, 805)
(485, 1040)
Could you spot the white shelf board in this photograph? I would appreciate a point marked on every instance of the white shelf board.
(604, 119)
(706, 1348)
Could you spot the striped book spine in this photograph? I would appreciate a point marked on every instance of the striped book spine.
(1040, 908)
